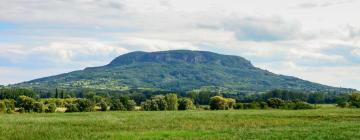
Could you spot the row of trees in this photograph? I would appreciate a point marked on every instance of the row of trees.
(198, 97)
(167, 102)
(221, 103)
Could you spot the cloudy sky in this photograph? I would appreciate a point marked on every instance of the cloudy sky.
(317, 40)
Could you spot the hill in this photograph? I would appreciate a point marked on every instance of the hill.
(178, 70)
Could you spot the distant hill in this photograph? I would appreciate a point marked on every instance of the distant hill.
(178, 70)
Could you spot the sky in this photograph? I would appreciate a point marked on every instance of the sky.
(316, 40)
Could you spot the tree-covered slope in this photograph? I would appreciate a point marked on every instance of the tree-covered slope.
(177, 70)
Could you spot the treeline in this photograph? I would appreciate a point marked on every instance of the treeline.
(351, 101)
(169, 102)
(198, 97)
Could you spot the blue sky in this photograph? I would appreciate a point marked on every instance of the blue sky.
(316, 40)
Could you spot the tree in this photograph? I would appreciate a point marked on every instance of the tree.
(186, 104)
(51, 108)
(7, 105)
(172, 101)
(275, 102)
(103, 106)
(150, 105)
(56, 93)
(230, 103)
(130, 106)
(26, 103)
(2, 106)
(72, 107)
(117, 105)
(85, 105)
(38, 107)
(355, 100)
(160, 101)
(316, 98)
(218, 103)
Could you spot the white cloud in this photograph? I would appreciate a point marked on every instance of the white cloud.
(155, 44)
(304, 37)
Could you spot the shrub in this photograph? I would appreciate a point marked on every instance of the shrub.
(218, 103)
(51, 108)
(59, 103)
(117, 105)
(275, 102)
(230, 103)
(71, 108)
(7, 105)
(185, 104)
(103, 106)
(263, 105)
(85, 105)
(297, 105)
(239, 106)
(355, 100)
(38, 107)
(130, 106)
(172, 101)
(21, 110)
(343, 104)
(150, 105)
(160, 102)
(26, 103)
(253, 105)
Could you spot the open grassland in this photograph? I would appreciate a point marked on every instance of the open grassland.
(324, 123)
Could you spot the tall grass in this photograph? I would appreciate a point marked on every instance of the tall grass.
(323, 123)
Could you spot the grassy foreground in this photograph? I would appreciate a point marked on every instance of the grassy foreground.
(323, 123)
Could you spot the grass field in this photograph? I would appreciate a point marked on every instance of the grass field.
(324, 123)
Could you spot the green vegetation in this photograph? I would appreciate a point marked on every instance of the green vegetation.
(327, 122)
(179, 70)
(352, 101)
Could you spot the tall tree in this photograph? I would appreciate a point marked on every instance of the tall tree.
(172, 101)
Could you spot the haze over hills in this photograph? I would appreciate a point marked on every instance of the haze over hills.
(179, 70)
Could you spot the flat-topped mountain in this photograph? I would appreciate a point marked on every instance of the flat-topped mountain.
(178, 70)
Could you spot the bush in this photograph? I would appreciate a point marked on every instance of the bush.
(297, 105)
(2, 106)
(130, 106)
(85, 105)
(117, 105)
(150, 105)
(253, 105)
(355, 100)
(185, 104)
(38, 107)
(343, 104)
(7, 105)
(103, 106)
(26, 103)
(275, 102)
(172, 101)
(51, 108)
(263, 105)
(230, 103)
(71, 108)
(160, 102)
(218, 103)
(239, 106)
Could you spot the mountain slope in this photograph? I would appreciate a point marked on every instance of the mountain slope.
(177, 70)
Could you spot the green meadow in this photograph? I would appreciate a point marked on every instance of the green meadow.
(327, 122)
